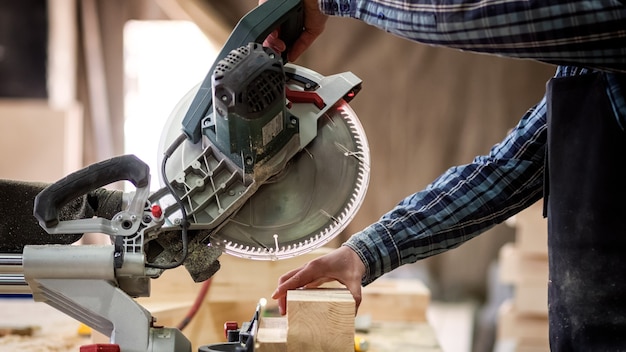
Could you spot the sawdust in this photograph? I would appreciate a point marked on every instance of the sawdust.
(44, 343)
(51, 329)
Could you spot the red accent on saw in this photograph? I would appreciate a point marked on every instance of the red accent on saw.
(156, 211)
(296, 96)
(100, 347)
(230, 325)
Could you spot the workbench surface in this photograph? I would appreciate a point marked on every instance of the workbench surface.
(53, 330)
(57, 332)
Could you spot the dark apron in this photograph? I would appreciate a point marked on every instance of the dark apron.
(586, 217)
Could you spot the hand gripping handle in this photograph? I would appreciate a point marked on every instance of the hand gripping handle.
(55, 196)
(286, 15)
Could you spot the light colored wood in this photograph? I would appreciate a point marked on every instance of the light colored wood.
(531, 234)
(272, 335)
(523, 320)
(320, 320)
(381, 336)
(532, 299)
(395, 300)
(402, 336)
(517, 268)
(527, 331)
(529, 275)
(37, 142)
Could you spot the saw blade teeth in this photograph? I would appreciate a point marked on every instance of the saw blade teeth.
(343, 122)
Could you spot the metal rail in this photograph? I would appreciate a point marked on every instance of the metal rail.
(12, 274)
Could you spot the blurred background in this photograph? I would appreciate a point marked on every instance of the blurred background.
(85, 80)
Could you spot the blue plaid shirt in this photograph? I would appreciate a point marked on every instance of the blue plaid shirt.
(580, 36)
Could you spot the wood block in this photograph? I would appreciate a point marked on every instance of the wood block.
(531, 232)
(402, 336)
(529, 275)
(320, 320)
(381, 337)
(272, 335)
(525, 330)
(401, 300)
(532, 299)
(517, 268)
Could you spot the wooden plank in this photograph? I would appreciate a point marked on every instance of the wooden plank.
(395, 300)
(320, 320)
(272, 335)
(525, 330)
(531, 234)
(532, 299)
(518, 268)
(402, 336)
(529, 275)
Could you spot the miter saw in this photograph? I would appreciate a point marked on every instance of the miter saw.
(271, 163)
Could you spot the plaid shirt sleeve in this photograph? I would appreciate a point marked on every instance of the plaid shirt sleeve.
(463, 202)
(469, 199)
(579, 33)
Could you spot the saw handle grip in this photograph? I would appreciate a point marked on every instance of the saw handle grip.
(290, 29)
(55, 196)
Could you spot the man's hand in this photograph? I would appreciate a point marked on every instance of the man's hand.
(314, 24)
(342, 265)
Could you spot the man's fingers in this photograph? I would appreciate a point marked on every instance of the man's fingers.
(282, 305)
(290, 280)
(304, 42)
(273, 41)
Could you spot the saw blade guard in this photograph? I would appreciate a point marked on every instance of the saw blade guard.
(295, 200)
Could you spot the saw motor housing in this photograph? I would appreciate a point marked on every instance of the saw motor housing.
(250, 121)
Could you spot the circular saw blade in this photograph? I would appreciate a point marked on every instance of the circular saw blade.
(309, 202)
(306, 204)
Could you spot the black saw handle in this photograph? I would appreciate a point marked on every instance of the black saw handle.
(55, 196)
(285, 15)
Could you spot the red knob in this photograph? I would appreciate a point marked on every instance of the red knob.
(230, 325)
(100, 347)
(156, 211)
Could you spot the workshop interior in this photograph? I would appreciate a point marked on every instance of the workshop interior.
(161, 168)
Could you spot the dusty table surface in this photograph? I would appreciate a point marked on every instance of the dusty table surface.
(54, 331)
(57, 332)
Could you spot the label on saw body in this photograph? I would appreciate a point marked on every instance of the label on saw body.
(273, 128)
